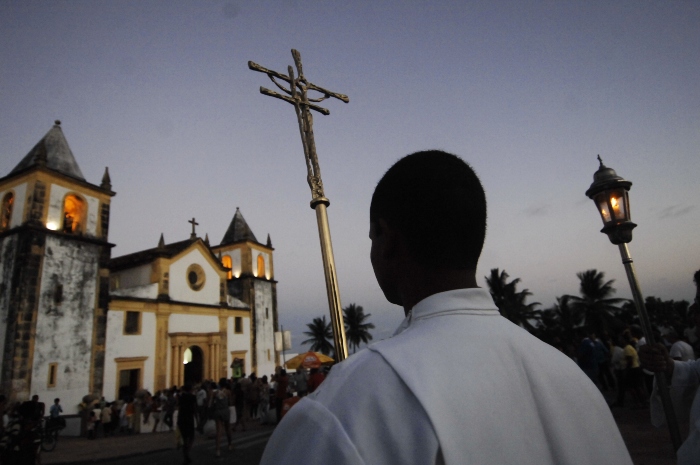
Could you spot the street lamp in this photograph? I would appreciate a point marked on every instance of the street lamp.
(609, 192)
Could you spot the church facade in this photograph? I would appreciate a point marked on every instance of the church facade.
(74, 321)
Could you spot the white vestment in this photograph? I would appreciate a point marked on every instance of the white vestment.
(457, 384)
(684, 391)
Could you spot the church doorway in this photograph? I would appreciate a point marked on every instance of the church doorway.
(194, 365)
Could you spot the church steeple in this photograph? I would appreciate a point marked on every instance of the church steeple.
(238, 230)
(53, 152)
(106, 181)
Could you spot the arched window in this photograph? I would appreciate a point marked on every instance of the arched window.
(73, 214)
(261, 266)
(226, 261)
(6, 212)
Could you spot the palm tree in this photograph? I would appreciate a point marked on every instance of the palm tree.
(563, 317)
(510, 302)
(356, 330)
(321, 335)
(595, 303)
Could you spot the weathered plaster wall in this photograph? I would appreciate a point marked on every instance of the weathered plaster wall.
(138, 276)
(264, 327)
(8, 245)
(238, 342)
(149, 291)
(179, 287)
(55, 214)
(123, 345)
(180, 323)
(20, 201)
(64, 328)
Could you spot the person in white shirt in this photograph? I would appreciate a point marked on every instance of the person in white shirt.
(680, 350)
(512, 399)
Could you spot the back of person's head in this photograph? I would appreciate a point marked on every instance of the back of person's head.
(436, 201)
(696, 278)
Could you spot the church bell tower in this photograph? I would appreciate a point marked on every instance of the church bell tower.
(53, 275)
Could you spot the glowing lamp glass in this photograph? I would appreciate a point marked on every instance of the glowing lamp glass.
(187, 357)
(613, 206)
(52, 225)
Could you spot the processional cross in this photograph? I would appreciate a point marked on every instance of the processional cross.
(296, 94)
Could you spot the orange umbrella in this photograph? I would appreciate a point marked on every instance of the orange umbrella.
(309, 360)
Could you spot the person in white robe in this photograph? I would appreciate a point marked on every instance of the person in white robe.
(684, 388)
(457, 383)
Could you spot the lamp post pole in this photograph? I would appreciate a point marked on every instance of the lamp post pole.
(609, 192)
(297, 96)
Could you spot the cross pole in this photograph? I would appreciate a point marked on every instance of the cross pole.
(193, 223)
(296, 94)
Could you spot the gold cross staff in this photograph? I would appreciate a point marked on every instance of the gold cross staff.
(296, 94)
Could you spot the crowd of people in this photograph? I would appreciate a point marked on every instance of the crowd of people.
(230, 404)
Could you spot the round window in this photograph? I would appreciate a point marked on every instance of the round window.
(195, 276)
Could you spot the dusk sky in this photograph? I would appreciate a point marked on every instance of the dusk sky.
(528, 93)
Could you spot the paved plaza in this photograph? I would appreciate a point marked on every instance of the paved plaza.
(647, 445)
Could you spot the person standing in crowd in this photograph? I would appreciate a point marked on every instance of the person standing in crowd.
(220, 401)
(684, 379)
(280, 391)
(106, 419)
(169, 407)
(680, 350)
(302, 381)
(239, 401)
(512, 398)
(55, 412)
(632, 376)
(156, 410)
(187, 410)
(254, 396)
(201, 407)
(97, 414)
(316, 377)
(587, 358)
(264, 399)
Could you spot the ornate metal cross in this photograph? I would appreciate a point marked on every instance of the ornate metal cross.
(297, 95)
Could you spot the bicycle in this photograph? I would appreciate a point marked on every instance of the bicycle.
(49, 433)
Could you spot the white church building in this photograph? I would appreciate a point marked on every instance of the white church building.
(74, 321)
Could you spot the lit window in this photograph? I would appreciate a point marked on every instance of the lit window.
(53, 374)
(261, 266)
(6, 212)
(73, 214)
(238, 325)
(226, 261)
(132, 323)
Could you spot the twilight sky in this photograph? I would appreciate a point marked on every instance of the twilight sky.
(527, 92)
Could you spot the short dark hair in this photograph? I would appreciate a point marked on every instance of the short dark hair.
(696, 278)
(436, 201)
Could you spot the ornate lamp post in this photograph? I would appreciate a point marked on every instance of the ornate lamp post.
(610, 194)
